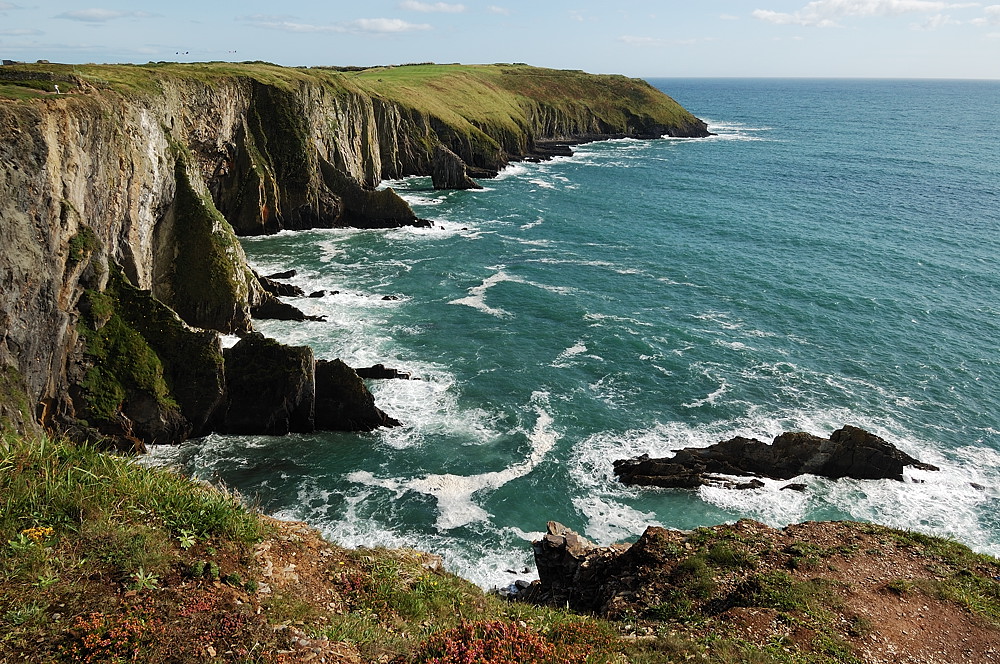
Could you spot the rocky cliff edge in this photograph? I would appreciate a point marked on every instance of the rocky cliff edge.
(142, 177)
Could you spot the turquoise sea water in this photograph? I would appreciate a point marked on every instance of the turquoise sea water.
(830, 257)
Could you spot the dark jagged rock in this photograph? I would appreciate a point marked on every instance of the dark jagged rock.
(546, 150)
(192, 359)
(382, 372)
(287, 274)
(274, 287)
(270, 388)
(570, 569)
(343, 403)
(849, 452)
(368, 208)
(271, 308)
(450, 172)
(319, 293)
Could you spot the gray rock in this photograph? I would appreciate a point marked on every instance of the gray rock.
(450, 172)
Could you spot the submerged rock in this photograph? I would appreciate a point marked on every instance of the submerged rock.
(382, 372)
(848, 452)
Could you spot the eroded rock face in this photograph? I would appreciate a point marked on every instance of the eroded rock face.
(450, 172)
(157, 183)
(343, 402)
(849, 452)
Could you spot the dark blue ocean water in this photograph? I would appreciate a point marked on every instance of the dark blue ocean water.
(829, 258)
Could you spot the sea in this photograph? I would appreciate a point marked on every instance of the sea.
(830, 256)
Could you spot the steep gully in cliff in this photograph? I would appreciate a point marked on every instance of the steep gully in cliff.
(120, 256)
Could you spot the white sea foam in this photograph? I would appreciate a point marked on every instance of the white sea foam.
(735, 131)
(711, 399)
(565, 358)
(477, 294)
(454, 493)
(610, 521)
(513, 170)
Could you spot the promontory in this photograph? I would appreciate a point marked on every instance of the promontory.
(123, 189)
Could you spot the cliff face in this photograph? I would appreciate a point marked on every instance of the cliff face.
(154, 171)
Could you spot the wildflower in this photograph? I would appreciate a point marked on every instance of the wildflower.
(38, 534)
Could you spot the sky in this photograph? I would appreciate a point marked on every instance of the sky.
(708, 38)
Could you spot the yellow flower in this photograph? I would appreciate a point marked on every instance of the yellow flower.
(38, 533)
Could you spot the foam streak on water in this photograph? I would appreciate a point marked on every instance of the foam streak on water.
(799, 271)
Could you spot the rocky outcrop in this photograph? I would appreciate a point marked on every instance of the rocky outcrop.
(382, 372)
(343, 403)
(450, 172)
(271, 308)
(571, 569)
(848, 452)
(278, 288)
(270, 388)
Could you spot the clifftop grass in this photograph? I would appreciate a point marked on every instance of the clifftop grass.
(482, 95)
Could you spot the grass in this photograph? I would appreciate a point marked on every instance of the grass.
(104, 560)
(82, 531)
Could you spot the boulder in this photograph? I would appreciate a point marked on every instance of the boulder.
(270, 388)
(448, 171)
(343, 402)
(848, 452)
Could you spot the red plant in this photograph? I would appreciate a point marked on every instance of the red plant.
(102, 638)
(494, 642)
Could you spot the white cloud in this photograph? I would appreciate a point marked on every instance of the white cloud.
(824, 13)
(935, 22)
(494, 9)
(384, 25)
(361, 25)
(21, 32)
(96, 15)
(443, 7)
(991, 16)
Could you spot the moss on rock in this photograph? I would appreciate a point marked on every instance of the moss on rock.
(206, 282)
(15, 405)
(122, 368)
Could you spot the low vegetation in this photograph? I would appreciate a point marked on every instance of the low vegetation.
(105, 560)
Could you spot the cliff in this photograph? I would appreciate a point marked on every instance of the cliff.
(140, 178)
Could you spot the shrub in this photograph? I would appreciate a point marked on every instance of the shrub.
(99, 638)
(494, 642)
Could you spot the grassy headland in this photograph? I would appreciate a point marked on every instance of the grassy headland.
(105, 560)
